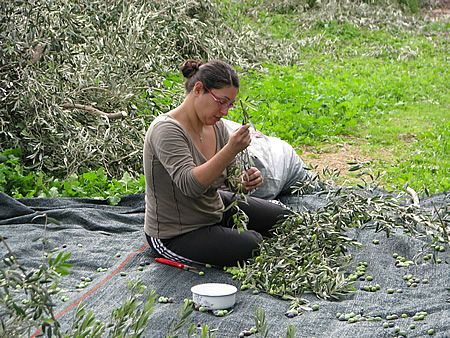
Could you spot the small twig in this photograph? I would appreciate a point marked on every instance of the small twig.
(94, 111)
(93, 88)
(6, 245)
(126, 156)
(413, 195)
(11, 253)
(44, 239)
(443, 225)
(244, 155)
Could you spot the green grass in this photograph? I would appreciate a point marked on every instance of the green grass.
(326, 97)
(419, 144)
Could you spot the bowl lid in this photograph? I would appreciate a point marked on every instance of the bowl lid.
(214, 289)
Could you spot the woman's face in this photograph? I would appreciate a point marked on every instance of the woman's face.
(213, 104)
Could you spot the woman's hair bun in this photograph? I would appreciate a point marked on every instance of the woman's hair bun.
(190, 67)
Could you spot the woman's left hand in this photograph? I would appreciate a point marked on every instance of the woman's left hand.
(252, 179)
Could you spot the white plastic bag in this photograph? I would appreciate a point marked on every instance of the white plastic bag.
(278, 162)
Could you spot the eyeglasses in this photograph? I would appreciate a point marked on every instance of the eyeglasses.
(222, 102)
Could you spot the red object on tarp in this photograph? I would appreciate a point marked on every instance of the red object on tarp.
(176, 264)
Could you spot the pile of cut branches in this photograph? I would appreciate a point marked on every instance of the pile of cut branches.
(309, 251)
(73, 75)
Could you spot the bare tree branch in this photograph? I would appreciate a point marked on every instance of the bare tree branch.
(94, 111)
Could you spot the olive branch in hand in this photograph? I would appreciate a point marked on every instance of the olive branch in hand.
(235, 179)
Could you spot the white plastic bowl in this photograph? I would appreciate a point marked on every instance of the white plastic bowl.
(214, 296)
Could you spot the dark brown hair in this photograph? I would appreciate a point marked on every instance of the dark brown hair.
(214, 74)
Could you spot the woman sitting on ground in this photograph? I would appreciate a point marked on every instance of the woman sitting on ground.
(188, 155)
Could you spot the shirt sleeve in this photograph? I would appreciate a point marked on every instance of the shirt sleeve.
(173, 150)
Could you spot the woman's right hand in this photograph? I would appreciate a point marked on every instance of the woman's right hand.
(240, 139)
(209, 171)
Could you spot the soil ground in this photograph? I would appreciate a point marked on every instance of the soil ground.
(334, 157)
(338, 156)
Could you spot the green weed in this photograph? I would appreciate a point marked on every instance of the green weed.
(18, 182)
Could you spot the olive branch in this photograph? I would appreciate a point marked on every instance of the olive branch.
(235, 179)
(318, 245)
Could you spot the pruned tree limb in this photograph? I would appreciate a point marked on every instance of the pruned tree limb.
(126, 156)
(94, 111)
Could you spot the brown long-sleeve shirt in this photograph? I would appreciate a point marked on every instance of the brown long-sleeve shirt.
(176, 203)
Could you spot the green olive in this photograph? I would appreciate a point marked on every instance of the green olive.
(219, 313)
(244, 287)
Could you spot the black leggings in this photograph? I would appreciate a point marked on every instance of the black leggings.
(219, 244)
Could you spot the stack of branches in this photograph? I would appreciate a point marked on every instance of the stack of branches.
(72, 72)
(372, 14)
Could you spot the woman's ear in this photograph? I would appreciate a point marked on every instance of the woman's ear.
(198, 88)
